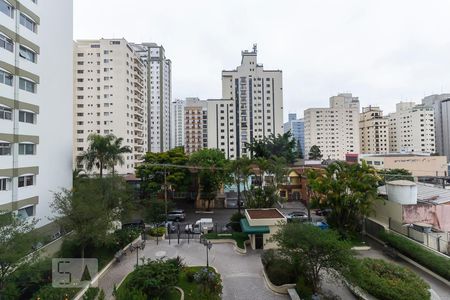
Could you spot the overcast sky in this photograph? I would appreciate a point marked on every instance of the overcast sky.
(382, 51)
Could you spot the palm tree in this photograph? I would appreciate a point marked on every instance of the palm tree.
(116, 151)
(98, 153)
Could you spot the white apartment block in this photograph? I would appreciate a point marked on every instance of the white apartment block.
(110, 97)
(335, 130)
(411, 128)
(196, 126)
(159, 78)
(221, 126)
(257, 96)
(177, 119)
(373, 131)
(441, 106)
(35, 105)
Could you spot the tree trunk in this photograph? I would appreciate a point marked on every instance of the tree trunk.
(101, 169)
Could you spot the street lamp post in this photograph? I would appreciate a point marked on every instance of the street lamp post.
(208, 246)
(137, 247)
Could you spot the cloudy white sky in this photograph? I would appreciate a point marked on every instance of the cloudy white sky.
(382, 51)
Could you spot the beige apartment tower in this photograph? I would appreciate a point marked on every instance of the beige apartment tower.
(196, 118)
(335, 130)
(411, 129)
(110, 97)
(257, 111)
(373, 131)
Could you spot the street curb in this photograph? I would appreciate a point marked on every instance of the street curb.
(237, 249)
(279, 289)
(181, 292)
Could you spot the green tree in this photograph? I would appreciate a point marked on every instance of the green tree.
(16, 242)
(312, 250)
(98, 153)
(314, 153)
(349, 190)
(240, 170)
(281, 145)
(87, 212)
(116, 151)
(210, 165)
(156, 165)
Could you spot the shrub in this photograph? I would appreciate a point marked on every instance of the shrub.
(158, 231)
(267, 257)
(281, 272)
(190, 275)
(304, 289)
(91, 294)
(387, 281)
(209, 281)
(50, 293)
(436, 263)
(130, 294)
(177, 262)
(236, 221)
(123, 237)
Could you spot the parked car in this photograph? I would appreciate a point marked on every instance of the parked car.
(297, 216)
(136, 223)
(176, 215)
(321, 224)
(170, 225)
(200, 226)
(323, 212)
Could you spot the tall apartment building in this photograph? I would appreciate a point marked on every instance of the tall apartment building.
(196, 131)
(221, 126)
(35, 105)
(110, 97)
(257, 96)
(159, 92)
(373, 131)
(441, 106)
(177, 119)
(297, 129)
(411, 128)
(335, 130)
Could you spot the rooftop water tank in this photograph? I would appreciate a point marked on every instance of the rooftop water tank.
(402, 191)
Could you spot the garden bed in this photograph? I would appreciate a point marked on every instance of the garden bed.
(239, 237)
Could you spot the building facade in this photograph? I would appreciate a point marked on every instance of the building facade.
(159, 92)
(441, 106)
(297, 129)
(177, 127)
(221, 126)
(373, 131)
(110, 97)
(196, 123)
(257, 96)
(335, 130)
(411, 128)
(35, 105)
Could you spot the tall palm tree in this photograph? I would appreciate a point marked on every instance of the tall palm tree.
(98, 153)
(116, 151)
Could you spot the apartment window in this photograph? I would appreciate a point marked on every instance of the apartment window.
(80, 54)
(5, 77)
(25, 212)
(5, 149)
(5, 113)
(26, 117)
(27, 149)
(27, 54)
(6, 43)
(4, 184)
(26, 180)
(6, 8)
(27, 85)
(27, 22)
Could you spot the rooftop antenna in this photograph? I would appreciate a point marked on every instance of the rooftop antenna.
(255, 48)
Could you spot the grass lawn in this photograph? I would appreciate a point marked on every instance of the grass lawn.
(239, 237)
(174, 294)
(191, 289)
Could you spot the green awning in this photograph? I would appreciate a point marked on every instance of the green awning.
(253, 229)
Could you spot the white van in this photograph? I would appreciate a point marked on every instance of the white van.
(200, 226)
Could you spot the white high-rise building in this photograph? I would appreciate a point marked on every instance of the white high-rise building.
(110, 83)
(177, 119)
(257, 96)
(373, 131)
(411, 128)
(35, 105)
(159, 79)
(221, 126)
(335, 130)
(441, 106)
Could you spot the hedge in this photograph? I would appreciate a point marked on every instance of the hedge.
(387, 281)
(436, 263)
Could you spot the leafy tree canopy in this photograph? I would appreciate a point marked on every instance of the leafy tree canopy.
(314, 153)
(281, 145)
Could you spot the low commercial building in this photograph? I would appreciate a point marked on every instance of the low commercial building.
(417, 164)
(261, 224)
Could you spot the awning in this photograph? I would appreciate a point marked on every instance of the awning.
(253, 229)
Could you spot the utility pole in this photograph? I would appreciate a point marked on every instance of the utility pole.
(165, 190)
(239, 191)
